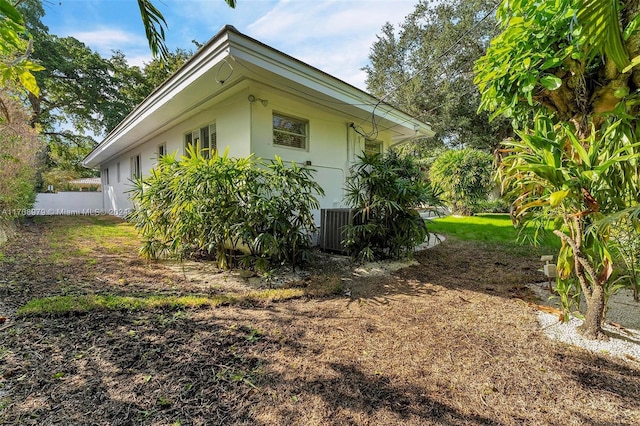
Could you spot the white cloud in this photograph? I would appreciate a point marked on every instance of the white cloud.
(334, 36)
(139, 60)
(109, 38)
(106, 40)
(300, 20)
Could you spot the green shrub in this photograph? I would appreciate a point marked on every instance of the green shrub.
(19, 150)
(497, 205)
(224, 206)
(465, 178)
(384, 191)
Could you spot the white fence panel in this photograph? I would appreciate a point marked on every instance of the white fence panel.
(68, 203)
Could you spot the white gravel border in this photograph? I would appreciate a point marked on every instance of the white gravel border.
(620, 344)
(623, 343)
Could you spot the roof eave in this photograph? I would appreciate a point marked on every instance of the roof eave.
(230, 43)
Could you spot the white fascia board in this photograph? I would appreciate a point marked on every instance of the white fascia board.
(230, 43)
(300, 73)
(191, 71)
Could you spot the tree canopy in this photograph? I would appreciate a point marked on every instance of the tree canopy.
(82, 94)
(425, 67)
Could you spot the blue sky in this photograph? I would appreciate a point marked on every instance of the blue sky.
(334, 36)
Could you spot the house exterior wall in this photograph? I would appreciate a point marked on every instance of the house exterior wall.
(232, 119)
(245, 127)
(332, 145)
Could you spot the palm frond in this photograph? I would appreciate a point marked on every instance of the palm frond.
(154, 26)
(601, 25)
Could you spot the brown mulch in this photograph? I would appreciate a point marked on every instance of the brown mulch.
(450, 341)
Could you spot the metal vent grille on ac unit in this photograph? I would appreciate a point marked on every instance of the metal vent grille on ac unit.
(332, 223)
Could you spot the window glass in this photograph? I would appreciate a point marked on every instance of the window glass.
(135, 167)
(204, 145)
(213, 139)
(289, 131)
(204, 138)
(188, 141)
(372, 147)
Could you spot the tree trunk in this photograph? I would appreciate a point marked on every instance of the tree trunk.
(36, 108)
(592, 326)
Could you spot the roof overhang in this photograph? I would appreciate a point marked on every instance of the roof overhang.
(221, 68)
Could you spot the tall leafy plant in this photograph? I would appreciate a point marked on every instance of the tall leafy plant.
(576, 184)
(20, 151)
(227, 205)
(384, 191)
(566, 70)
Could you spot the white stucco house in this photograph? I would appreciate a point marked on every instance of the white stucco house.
(239, 94)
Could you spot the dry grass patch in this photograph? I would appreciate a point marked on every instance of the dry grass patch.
(448, 341)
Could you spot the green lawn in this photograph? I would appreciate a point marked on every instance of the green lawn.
(489, 228)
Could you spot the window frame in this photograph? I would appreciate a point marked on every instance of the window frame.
(206, 132)
(118, 172)
(275, 131)
(136, 167)
(105, 175)
(370, 142)
(161, 150)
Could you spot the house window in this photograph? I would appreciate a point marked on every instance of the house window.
(105, 176)
(204, 138)
(135, 167)
(372, 147)
(290, 132)
(162, 150)
(118, 172)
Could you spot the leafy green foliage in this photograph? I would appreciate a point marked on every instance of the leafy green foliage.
(154, 25)
(547, 59)
(384, 191)
(492, 205)
(223, 205)
(561, 70)
(19, 149)
(15, 65)
(573, 184)
(414, 68)
(464, 177)
(601, 29)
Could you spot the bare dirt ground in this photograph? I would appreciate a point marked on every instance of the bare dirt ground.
(450, 340)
